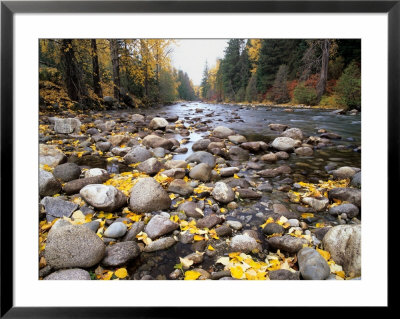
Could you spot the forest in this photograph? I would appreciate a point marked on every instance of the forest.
(118, 73)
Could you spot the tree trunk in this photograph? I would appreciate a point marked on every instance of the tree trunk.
(96, 71)
(115, 66)
(324, 68)
(72, 76)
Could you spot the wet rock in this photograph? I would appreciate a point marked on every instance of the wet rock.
(321, 232)
(136, 228)
(237, 139)
(312, 265)
(254, 165)
(244, 243)
(103, 146)
(278, 127)
(103, 197)
(248, 193)
(67, 126)
(147, 195)
(215, 145)
(50, 155)
(201, 145)
(191, 209)
(228, 171)
(115, 230)
(209, 221)
(154, 141)
(283, 274)
(57, 208)
(137, 118)
(271, 158)
(67, 172)
(223, 231)
(159, 225)
(294, 133)
(120, 151)
(356, 180)
(265, 187)
(177, 173)
(202, 157)
(331, 136)
(351, 195)
(282, 155)
(319, 204)
(273, 228)
(349, 209)
(223, 193)
(201, 172)
(150, 166)
(119, 139)
(69, 274)
(95, 172)
(273, 172)
(222, 132)
(287, 243)
(73, 246)
(186, 238)
(48, 185)
(179, 186)
(237, 153)
(234, 224)
(136, 155)
(238, 182)
(284, 144)
(158, 123)
(344, 244)
(304, 151)
(254, 147)
(343, 172)
(93, 225)
(159, 152)
(92, 131)
(120, 254)
(160, 244)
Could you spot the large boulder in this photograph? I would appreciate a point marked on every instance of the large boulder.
(312, 265)
(67, 172)
(136, 155)
(158, 123)
(344, 244)
(69, 274)
(223, 193)
(73, 246)
(155, 141)
(202, 157)
(294, 133)
(120, 253)
(284, 144)
(103, 197)
(159, 225)
(67, 126)
(222, 132)
(147, 195)
(50, 155)
(48, 184)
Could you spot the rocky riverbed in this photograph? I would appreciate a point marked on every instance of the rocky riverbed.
(200, 192)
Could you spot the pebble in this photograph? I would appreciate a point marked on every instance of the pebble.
(116, 230)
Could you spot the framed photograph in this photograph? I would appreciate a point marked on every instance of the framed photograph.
(165, 154)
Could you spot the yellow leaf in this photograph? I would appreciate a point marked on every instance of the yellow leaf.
(210, 247)
(235, 176)
(192, 275)
(237, 272)
(307, 215)
(198, 237)
(121, 273)
(324, 254)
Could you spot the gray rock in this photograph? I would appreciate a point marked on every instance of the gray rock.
(136, 228)
(93, 225)
(179, 186)
(343, 172)
(136, 155)
(73, 246)
(115, 230)
(344, 244)
(223, 230)
(151, 166)
(277, 127)
(69, 274)
(201, 172)
(284, 144)
(50, 155)
(287, 243)
(237, 153)
(351, 195)
(155, 141)
(57, 208)
(222, 132)
(294, 133)
(67, 126)
(312, 265)
(220, 274)
(76, 185)
(176, 164)
(356, 180)
(349, 209)
(95, 172)
(48, 185)
(201, 145)
(304, 151)
(103, 197)
(209, 221)
(271, 158)
(202, 157)
(237, 139)
(159, 225)
(158, 123)
(223, 193)
(282, 155)
(254, 147)
(273, 228)
(248, 193)
(273, 172)
(147, 195)
(244, 243)
(319, 204)
(119, 139)
(228, 171)
(178, 173)
(283, 274)
(120, 253)
(190, 209)
(67, 172)
(160, 244)
(235, 224)
(120, 151)
(103, 146)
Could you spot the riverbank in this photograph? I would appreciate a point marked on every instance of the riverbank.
(199, 191)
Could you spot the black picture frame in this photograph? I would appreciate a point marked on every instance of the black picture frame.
(9, 8)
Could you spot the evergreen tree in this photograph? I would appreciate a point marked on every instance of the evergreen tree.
(205, 85)
(279, 92)
(348, 86)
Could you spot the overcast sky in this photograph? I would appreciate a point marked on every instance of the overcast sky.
(190, 56)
